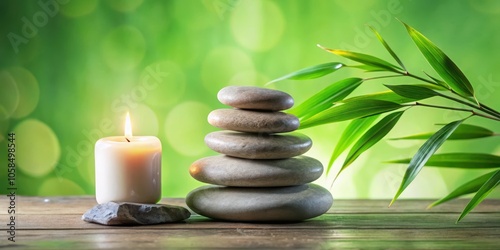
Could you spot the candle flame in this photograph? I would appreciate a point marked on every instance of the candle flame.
(128, 126)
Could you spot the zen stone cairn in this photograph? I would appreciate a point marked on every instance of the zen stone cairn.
(261, 175)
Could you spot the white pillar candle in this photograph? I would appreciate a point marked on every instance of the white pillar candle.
(128, 168)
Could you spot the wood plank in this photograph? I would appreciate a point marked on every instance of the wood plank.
(80, 204)
(55, 223)
(258, 238)
(327, 221)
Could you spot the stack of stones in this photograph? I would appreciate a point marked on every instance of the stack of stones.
(261, 175)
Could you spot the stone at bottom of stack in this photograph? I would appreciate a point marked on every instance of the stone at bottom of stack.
(293, 203)
(262, 176)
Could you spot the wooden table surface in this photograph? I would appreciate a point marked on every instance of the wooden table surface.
(55, 223)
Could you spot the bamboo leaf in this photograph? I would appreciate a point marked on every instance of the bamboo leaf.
(439, 82)
(349, 111)
(386, 45)
(325, 98)
(459, 160)
(364, 59)
(413, 91)
(371, 137)
(383, 96)
(424, 153)
(366, 68)
(351, 133)
(467, 188)
(481, 194)
(464, 131)
(441, 63)
(311, 72)
(433, 87)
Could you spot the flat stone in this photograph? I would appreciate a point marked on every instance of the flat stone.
(253, 121)
(125, 213)
(246, 97)
(229, 171)
(258, 146)
(278, 204)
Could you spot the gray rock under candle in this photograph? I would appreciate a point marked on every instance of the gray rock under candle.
(123, 213)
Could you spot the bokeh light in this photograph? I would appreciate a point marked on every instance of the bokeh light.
(257, 25)
(52, 186)
(165, 83)
(123, 48)
(144, 120)
(185, 128)
(124, 5)
(78, 8)
(27, 90)
(38, 148)
(9, 100)
(221, 65)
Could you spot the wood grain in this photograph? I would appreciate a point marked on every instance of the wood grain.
(55, 223)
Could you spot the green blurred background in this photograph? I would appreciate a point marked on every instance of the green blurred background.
(69, 67)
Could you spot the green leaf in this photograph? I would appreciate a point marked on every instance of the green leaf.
(432, 86)
(325, 98)
(412, 91)
(460, 160)
(383, 96)
(364, 59)
(464, 131)
(351, 133)
(481, 194)
(439, 82)
(311, 72)
(371, 137)
(366, 68)
(441, 63)
(424, 153)
(386, 45)
(349, 111)
(467, 188)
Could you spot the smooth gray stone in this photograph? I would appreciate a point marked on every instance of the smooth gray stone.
(124, 213)
(258, 146)
(278, 204)
(253, 121)
(247, 97)
(236, 172)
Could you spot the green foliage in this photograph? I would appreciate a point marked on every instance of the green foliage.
(464, 131)
(333, 104)
(424, 153)
(371, 137)
(326, 97)
(388, 48)
(375, 62)
(467, 188)
(481, 194)
(349, 111)
(459, 160)
(413, 91)
(441, 63)
(355, 128)
(382, 96)
(312, 72)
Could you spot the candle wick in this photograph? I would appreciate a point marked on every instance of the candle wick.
(127, 139)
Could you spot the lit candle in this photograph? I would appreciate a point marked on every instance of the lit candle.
(128, 168)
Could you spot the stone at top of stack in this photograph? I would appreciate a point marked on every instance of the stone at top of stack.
(257, 114)
(245, 97)
(265, 177)
(257, 111)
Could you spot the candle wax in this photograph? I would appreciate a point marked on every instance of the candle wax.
(128, 171)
